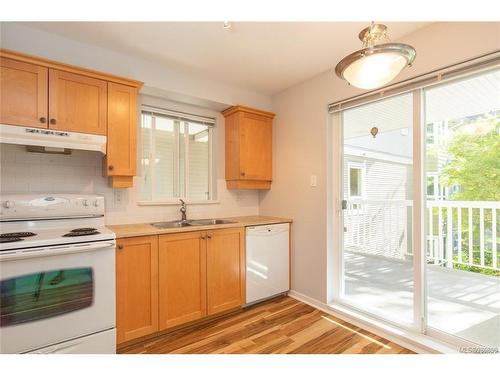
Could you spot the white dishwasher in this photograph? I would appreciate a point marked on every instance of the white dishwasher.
(268, 261)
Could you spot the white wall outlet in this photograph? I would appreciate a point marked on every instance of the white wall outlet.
(118, 197)
(314, 180)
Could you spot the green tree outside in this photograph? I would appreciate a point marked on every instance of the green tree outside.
(474, 167)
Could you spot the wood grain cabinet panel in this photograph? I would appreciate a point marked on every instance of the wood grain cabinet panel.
(225, 269)
(23, 93)
(182, 278)
(77, 103)
(248, 148)
(136, 287)
(121, 156)
(256, 136)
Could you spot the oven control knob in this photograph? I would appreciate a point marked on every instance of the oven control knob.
(86, 202)
(8, 204)
(96, 204)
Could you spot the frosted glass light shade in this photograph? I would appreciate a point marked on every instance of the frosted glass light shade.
(374, 71)
(375, 67)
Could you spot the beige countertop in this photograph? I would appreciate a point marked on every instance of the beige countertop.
(145, 229)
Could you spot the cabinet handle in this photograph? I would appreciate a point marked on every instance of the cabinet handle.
(111, 167)
(202, 237)
(53, 121)
(209, 236)
(120, 247)
(242, 173)
(43, 120)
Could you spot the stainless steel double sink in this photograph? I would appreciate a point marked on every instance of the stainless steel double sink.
(190, 223)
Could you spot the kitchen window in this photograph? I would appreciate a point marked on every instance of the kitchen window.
(176, 156)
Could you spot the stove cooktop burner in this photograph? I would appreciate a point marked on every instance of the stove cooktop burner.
(10, 239)
(17, 234)
(81, 232)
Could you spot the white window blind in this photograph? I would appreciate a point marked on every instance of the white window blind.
(176, 156)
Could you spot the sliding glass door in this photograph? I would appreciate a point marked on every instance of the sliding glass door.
(462, 168)
(420, 205)
(377, 207)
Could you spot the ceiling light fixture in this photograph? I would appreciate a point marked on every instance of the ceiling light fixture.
(226, 25)
(377, 63)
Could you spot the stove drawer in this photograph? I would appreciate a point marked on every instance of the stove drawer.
(98, 343)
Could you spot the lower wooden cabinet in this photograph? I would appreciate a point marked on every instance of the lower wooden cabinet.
(225, 270)
(182, 276)
(172, 279)
(136, 287)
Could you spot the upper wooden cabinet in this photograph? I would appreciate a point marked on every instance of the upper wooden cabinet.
(248, 148)
(77, 103)
(182, 270)
(120, 161)
(136, 287)
(36, 92)
(225, 269)
(23, 93)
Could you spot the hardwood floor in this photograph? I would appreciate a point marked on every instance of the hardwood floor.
(283, 325)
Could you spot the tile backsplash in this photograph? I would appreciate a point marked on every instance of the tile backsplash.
(30, 172)
(81, 172)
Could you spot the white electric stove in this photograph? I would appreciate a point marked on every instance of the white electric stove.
(57, 275)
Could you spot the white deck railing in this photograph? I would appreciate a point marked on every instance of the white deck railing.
(457, 232)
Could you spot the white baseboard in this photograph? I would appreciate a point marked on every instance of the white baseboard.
(416, 342)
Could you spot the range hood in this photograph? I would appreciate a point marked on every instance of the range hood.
(51, 139)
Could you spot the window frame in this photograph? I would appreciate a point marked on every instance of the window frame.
(181, 121)
(362, 186)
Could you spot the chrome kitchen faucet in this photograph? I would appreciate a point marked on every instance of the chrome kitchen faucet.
(183, 210)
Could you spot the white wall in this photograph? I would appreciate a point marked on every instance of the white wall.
(300, 144)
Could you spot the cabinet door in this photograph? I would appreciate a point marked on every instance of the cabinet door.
(225, 269)
(136, 287)
(23, 93)
(77, 103)
(182, 273)
(255, 147)
(122, 130)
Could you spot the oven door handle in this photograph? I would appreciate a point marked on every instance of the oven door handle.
(55, 250)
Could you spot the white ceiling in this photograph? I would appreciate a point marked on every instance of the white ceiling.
(267, 57)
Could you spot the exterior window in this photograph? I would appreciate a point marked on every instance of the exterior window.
(176, 158)
(356, 182)
(42, 295)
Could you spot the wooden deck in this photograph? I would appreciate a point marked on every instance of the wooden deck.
(465, 304)
(283, 325)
